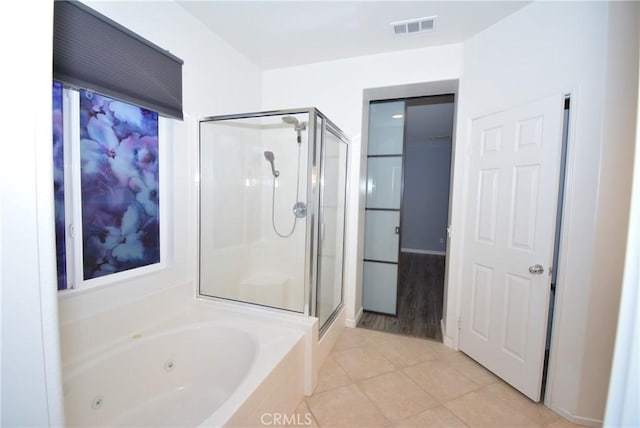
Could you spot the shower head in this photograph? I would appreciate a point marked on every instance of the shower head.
(290, 120)
(270, 158)
(297, 126)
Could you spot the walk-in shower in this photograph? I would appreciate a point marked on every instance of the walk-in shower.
(272, 210)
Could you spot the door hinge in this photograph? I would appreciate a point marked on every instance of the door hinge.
(459, 323)
(70, 230)
(449, 231)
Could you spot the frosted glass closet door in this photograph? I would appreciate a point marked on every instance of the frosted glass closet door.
(384, 182)
(384, 195)
(381, 241)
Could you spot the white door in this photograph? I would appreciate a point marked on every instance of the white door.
(509, 236)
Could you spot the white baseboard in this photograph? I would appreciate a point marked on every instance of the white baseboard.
(588, 422)
(446, 340)
(353, 323)
(417, 251)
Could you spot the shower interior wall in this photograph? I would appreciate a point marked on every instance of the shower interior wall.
(242, 258)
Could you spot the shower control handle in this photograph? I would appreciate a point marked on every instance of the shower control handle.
(536, 269)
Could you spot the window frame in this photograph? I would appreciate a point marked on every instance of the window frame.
(73, 202)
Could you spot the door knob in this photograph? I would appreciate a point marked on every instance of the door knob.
(536, 269)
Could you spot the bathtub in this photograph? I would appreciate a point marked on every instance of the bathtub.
(213, 373)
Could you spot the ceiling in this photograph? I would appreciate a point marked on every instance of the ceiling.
(275, 34)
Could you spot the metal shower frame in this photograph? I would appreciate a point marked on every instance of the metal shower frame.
(318, 122)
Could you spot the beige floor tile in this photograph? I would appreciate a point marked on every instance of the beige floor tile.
(482, 409)
(396, 395)
(414, 383)
(356, 337)
(438, 417)
(468, 367)
(331, 375)
(440, 380)
(375, 335)
(350, 338)
(408, 351)
(363, 362)
(301, 417)
(346, 406)
(513, 399)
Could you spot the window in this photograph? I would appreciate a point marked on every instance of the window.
(107, 188)
(110, 86)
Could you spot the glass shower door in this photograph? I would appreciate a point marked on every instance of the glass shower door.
(333, 181)
(382, 209)
(253, 241)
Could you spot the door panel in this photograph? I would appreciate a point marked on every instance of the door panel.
(481, 288)
(511, 210)
(384, 182)
(487, 205)
(380, 280)
(383, 199)
(386, 128)
(382, 240)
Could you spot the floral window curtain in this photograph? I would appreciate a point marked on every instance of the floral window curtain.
(117, 196)
(119, 186)
(58, 185)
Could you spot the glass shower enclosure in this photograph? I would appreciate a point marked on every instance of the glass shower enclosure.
(272, 211)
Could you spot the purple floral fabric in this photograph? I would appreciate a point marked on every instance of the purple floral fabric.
(119, 185)
(58, 185)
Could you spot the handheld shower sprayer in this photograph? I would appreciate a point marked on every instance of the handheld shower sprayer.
(299, 207)
(270, 158)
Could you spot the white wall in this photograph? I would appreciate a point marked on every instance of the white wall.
(616, 165)
(553, 48)
(624, 388)
(336, 88)
(31, 387)
(216, 80)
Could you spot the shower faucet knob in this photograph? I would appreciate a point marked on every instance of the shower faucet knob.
(300, 209)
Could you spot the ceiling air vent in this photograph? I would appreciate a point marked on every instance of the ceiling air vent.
(414, 25)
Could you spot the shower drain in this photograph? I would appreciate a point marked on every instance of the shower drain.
(169, 365)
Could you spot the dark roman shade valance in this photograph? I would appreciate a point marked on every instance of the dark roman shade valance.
(93, 52)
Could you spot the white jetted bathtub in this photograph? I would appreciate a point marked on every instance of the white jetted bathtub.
(207, 373)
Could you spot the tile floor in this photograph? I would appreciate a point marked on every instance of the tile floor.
(376, 379)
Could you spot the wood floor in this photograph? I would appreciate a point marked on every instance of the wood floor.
(420, 292)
